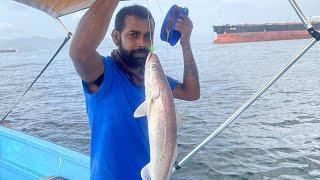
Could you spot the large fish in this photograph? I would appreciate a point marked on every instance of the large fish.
(162, 126)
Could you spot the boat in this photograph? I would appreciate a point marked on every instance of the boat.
(26, 157)
(262, 32)
(8, 50)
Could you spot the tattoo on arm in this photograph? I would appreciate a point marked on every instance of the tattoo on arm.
(190, 67)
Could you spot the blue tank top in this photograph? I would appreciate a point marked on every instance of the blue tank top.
(119, 142)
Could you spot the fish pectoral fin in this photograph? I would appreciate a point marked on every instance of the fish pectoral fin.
(155, 93)
(145, 172)
(141, 111)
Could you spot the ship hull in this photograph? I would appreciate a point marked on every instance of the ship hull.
(260, 36)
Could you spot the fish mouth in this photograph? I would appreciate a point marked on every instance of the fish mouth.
(150, 56)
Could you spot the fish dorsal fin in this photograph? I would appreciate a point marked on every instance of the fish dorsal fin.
(145, 172)
(141, 111)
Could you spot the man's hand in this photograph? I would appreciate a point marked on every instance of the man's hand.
(185, 26)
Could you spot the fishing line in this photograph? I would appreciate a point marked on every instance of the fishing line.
(161, 12)
(149, 21)
(152, 45)
(166, 48)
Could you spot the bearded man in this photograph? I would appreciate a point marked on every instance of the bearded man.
(113, 85)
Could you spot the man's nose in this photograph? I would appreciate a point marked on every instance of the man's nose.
(142, 42)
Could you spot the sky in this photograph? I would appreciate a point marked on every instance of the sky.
(17, 20)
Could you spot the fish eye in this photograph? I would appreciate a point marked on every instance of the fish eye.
(154, 67)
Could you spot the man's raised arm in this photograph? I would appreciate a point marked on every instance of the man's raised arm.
(89, 34)
(189, 89)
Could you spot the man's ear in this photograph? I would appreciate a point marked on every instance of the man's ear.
(116, 37)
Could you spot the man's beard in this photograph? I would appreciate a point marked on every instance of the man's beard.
(135, 58)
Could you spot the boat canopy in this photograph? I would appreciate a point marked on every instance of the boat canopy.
(57, 8)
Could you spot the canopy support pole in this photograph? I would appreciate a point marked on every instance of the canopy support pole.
(63, 26)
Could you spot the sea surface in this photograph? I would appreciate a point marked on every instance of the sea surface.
(278, 137)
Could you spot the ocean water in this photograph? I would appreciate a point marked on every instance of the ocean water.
(278, 137)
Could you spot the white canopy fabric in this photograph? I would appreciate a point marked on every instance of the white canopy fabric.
(57, 8)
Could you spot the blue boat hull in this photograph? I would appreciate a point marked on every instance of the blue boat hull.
(26, 157)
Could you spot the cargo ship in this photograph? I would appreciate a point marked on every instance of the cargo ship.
(262, 32)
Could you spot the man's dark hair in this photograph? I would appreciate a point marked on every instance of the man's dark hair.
(135, 10)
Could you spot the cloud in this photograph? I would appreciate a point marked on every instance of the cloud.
(235, 1)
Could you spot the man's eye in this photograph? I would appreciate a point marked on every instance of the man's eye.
(134, 35)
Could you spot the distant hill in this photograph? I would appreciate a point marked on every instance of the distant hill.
(30, 44)
(43, 43)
